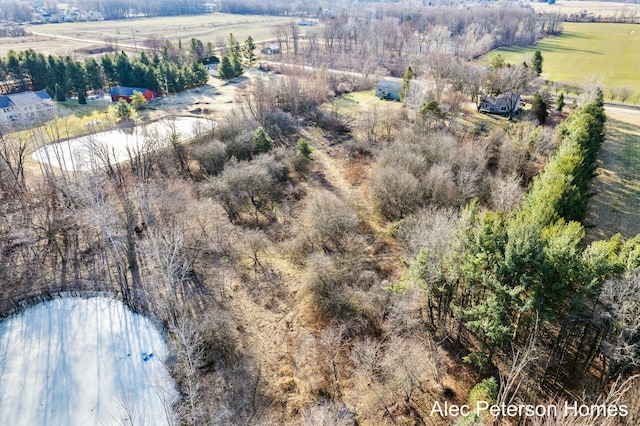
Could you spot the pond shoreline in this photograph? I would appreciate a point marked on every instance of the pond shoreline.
(100, 149)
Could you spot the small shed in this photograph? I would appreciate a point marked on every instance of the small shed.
(271, 50)
(126, 93)
(501, 104)
(389, 88)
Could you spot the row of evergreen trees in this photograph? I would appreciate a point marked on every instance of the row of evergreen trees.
(508, 271)
(171, 70)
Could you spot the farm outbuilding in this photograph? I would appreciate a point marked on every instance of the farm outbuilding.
(126, 93)
(389, 88)
(271, 50)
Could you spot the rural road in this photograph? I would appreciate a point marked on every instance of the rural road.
(124, 45)
(88, 41)
(634, 109)
(309, 68)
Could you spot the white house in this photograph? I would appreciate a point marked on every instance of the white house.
(25, 106)
(505, 104)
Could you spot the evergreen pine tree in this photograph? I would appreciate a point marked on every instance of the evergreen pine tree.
(123, 110)
(249, 51)
(539, 108)
(261, 141)
(303, 148)
(560, 102)
(59, 93)
(406, 82)
(497, 62)
(225, 70)
(138, 100)
(233, 46)
(237, 66)
(599, 97)
(537, 62)
(200, 74)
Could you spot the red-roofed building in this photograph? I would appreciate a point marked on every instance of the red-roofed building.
(126, 93)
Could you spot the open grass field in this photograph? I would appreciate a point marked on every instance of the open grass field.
(351, 104)
(615, 207)
(65, 38)
(587, 52)
(589, 8)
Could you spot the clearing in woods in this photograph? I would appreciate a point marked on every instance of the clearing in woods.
(584, 53)
(130, 33)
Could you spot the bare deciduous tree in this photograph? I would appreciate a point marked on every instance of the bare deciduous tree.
(329, 414)
(330, 221)
(14, 151)
(395, 192)
(512, 380)
(625, 93)
(506, 192)
(169, 262)
(190, 354)
(621, 346)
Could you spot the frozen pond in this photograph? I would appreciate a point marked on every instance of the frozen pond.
(83, 361)
(94, 151)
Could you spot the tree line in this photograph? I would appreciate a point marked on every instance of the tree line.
(392, 36)
(110, 9)
(119, 9)
(510, 270)
(172, 69)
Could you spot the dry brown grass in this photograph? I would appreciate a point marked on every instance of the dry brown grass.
(615, 207)
(592, 8)
(64, 39)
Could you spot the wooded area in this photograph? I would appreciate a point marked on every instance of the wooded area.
(319, 259)
(170, 69)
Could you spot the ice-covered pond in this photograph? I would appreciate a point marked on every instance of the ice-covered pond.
(83, 361)
(94, 151)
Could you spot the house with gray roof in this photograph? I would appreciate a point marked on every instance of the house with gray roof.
(271, 50)
(506, 104)
(389, 88)
(25, 106)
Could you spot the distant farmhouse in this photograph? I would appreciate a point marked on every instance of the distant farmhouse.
(501, 104)
(25, 106)
(389, 88)
(126, 93)
(271, 50)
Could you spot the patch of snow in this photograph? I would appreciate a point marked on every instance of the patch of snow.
(83, 361)
(100, 149)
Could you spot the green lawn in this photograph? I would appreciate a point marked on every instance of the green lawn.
(356, 102)
(615, 206)
(587, 52)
